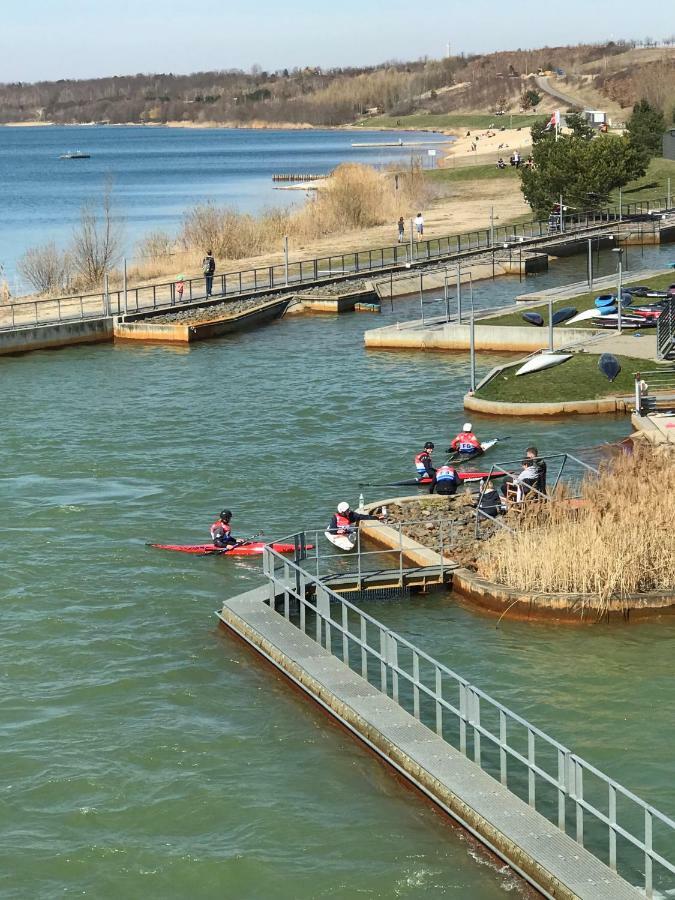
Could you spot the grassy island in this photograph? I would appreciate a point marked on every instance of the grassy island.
(577, 379)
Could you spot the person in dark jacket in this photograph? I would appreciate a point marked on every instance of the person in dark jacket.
(490, 503)
(445, 480)
(208, 268)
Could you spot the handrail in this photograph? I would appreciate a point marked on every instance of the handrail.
(461, 714)
(143, 298)
(665, 330)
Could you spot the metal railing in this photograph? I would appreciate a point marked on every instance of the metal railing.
(619, 828)
(144, 298)
(650, 380)
(362, 563)
(665, 330)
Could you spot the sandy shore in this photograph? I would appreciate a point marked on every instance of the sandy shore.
(489, 144)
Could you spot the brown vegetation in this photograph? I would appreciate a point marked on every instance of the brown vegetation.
(620, 542)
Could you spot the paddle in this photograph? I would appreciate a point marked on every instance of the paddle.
(240, 543)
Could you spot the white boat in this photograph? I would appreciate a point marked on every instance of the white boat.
(75, 154)
(586, 314)
(543, 361)
(342, 541)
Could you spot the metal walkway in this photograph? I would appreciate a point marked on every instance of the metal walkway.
(540, 852)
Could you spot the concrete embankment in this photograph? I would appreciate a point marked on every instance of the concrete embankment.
(567, 407)
(56, 335)
(438, 334)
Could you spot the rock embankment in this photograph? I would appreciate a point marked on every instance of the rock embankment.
(453, 518)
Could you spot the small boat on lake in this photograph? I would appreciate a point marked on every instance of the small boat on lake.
(75, 154)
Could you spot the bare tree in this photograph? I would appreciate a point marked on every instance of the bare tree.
(97, 240)
(46, 268)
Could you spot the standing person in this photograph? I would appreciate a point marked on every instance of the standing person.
(445, 481)
(208, 268)
(423, 461)
(419, 226)
(401, 230)
(180, 287)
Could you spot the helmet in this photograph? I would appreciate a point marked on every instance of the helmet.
(343, 507)
(225, 515)
(429, 445)
(467, 426)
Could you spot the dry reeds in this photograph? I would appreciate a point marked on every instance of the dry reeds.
(620, 541)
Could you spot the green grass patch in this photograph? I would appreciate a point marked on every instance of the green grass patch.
(450, 120)
(583, 301)
(472, 173)
(654, 185)
(577, 379)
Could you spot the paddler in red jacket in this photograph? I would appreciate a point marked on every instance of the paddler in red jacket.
(466, 443)
(221, 533)
(346, 521)
(423, 462)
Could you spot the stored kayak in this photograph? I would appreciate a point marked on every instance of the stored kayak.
(543, 361)
(562, 315)
(251, 548)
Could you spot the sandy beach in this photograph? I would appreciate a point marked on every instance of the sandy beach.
(490, 144)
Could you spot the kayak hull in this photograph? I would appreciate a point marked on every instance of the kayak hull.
(543, 361)
(344, 542)
(252, 548)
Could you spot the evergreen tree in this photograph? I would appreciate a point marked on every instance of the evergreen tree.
(645, 129)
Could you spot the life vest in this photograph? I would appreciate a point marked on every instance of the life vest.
(466, 442)
(220, 527)
(342, 523)
(446, 473)
(419, 461)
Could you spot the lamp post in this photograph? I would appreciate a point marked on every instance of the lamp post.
(619, 286)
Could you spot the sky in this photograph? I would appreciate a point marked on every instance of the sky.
(52, 39)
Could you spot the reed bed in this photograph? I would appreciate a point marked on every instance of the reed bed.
(621, 541)
(355, 196)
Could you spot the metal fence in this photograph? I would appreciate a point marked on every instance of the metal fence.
(626, 833)
(665, 330)
(129, 300)
(660, 380)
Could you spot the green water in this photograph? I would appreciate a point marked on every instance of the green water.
(144, 752)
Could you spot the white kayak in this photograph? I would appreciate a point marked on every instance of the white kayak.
(586, 314)
(485, 445)
(543, 361)
(342, 541)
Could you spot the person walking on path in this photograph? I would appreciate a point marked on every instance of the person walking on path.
(401, 230)
(208, 268)
(180, 287)
(419, 226)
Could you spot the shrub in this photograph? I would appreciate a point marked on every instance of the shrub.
(46, 268)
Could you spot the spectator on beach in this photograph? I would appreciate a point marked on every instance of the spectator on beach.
(419, 226)
(401, 230)
(500, 163)
(208, 268)
(516, 159)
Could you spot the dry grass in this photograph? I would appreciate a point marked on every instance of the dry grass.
(356, 196)
(620, 542)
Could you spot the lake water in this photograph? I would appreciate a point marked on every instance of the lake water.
(146, 753)
(157, 173)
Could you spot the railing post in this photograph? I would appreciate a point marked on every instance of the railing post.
(392, 662)
(503, 777)
(612, 822)
(578, 799)
(649, 887)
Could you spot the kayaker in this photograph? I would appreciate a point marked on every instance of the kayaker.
(445, 481)
(346, 521)
(423, 461)
(221, 533)
(466, 443)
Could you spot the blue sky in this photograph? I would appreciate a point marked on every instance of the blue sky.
(50, 39)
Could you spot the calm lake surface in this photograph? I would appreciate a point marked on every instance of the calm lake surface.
(145, 753)
(157, 173)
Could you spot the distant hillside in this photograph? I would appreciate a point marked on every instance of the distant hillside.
(612, 73)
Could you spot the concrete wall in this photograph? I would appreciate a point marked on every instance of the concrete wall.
(516, 338)
(566, 407)
(60, 334)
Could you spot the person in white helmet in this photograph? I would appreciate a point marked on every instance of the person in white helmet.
(466, 443)
(346, 521)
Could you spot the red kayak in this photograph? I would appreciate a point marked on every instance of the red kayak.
(251, 548)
